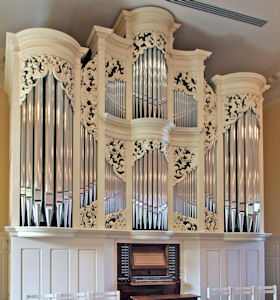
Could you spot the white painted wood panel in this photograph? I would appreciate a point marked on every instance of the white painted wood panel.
(252, 267)
(233, 268)
(31, 271)
(59, 270)
(87, 270)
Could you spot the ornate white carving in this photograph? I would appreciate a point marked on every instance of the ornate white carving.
(114, 69)
(88, 215)
(183, 223)
(141, 147)
(237, 104)
(145, 40)
(115, 156)
(210, 118)
(89, 96)
(211, 220)
(185, 82)
(116, 221)
(185, 160)
(35, 67)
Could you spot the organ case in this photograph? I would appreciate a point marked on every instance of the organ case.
(130, 136)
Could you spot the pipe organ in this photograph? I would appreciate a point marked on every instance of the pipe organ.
(131, 136)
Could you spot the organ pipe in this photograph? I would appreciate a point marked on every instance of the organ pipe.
(149, 85)
(88, 165)
(185, 195)
(149, 201)
(241, 173)
(115, 98)
(185, 109)
(46, 155)
(114, 191)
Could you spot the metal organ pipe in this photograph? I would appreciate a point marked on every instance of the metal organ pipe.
(149, 87)
(185, 195)
(185, 109)
(115, 98)
(88, 167)
(114, 191)
(46, 155)
(150, 191)
(241, 174)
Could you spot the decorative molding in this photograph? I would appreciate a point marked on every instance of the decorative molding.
(114, 69)
(115, 156)
(185, 82)
(145, 40)
(237, 104)
(141, 147)
(89, 96)
(35, 67)
(183, 223)
(210, 118)
(185, 160)
(211, 220)
(88, 215)
(116, 221)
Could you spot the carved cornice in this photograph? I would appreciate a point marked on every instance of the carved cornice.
(185, 160)
(141, 147)
(89, 96)
(114, 69)
(235, 105)
(116, 221)
(211, 221)
(35, 67)
(145, 40)
(186, 82)
(88, 215)
(115, 156)
(182, 223)
(210, 118)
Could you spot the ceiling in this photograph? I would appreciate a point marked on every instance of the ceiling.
(236, 46)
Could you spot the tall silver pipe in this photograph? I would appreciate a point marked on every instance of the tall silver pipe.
(233, 175)
(49, 142)
(226, 179)
(240, 172)
(155, 188)
(29, 157)
(23, 146)
(82, 166)
(68, 208)
(248, 174)
(60, 157)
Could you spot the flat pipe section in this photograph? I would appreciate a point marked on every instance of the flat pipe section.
(88, 168)
(114, 191)
(185, 109)
(149, 85)
(149, 201)
(241, 178)
(46, 155)
(115, 98)
(185, 195)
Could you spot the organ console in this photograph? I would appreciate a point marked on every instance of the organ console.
(146, 269)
